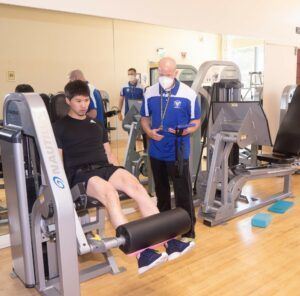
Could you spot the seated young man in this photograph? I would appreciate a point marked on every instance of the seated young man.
(87, 156)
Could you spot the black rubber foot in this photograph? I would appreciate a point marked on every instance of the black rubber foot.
(207, 223)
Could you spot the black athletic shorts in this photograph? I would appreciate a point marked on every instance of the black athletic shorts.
(83, 176)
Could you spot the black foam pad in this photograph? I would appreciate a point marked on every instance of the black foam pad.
(46, 100)
(59, 107)
(204, 114)
(149, 231)
(276, 158)
(288, 137)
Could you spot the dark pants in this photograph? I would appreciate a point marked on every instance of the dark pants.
(145, 142)
(162, 171)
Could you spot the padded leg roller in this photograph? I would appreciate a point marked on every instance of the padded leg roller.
(149, 231)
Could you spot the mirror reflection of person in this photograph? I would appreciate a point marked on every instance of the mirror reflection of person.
(132, 90)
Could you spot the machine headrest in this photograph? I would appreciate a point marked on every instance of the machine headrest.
(59, 107)
(288, 137)
(46, 100)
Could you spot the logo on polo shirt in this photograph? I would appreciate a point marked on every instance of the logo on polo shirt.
(177, 104)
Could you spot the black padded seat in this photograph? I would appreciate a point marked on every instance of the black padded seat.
(276, 158)
(288, 137)
(82, 201)
(90, 203)
(287, 144)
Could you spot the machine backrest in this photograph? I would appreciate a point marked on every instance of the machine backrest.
(59, 107)
(288, 137)
(204, 114)
(46, 100)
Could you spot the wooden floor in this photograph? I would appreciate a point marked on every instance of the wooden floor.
(230, 259)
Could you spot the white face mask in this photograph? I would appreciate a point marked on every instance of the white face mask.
(165, 82)
(131, 78)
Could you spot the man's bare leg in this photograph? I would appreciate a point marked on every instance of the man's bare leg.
(109, 197)
(127, 183)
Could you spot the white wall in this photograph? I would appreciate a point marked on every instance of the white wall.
(136, 46)
(280, 70)
(272, 20)
(42, 47)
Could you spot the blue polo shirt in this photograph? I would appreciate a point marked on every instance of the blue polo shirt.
(183, 107)
(131, 91)
(96, 102)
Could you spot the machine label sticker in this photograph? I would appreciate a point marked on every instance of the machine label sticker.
(58, 182)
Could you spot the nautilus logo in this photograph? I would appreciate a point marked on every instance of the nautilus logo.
(58, 182)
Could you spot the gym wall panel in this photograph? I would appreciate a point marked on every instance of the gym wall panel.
(137, 43)
(42, 47)
(279, 71)
(274, 21)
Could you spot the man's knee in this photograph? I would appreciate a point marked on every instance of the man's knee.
(103, 191)
(135, 186)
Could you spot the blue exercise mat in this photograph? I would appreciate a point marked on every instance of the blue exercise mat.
(261, 220)
(280, 206)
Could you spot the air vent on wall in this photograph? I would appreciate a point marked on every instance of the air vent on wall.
(297, 30)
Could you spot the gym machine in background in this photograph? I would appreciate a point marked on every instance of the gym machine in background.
(186, 73)
(50, 225)
(244, 123)
(255, 90)
(286, 98)
(216, 81)
(136, 162)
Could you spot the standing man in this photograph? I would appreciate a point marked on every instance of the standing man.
(175, 114)
(131, 91)
(96, 108)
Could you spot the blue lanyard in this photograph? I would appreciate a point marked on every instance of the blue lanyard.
(163, 113)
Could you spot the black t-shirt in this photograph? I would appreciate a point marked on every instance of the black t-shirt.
(81, 141)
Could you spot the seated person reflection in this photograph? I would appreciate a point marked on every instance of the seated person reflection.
(88, 158)
(24, 88)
